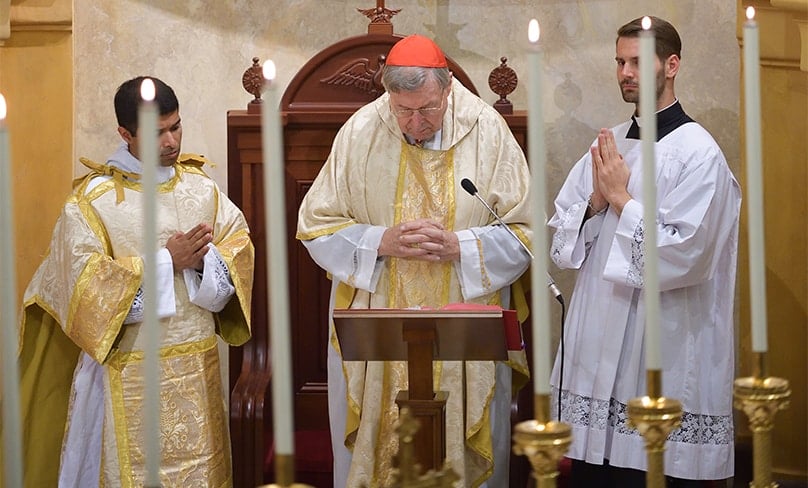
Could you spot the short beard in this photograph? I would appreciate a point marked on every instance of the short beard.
(634, 97)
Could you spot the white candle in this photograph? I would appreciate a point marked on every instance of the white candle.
(540, 306)
(12, 437)
(149, 156)
(648, 134)
(754, 182)
(277, 268)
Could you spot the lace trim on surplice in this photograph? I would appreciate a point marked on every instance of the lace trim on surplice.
(634, 276)
(598, 414)
(561, 235)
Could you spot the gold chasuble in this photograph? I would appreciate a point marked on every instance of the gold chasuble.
(78, 300)
(374, 177)
(426, 191)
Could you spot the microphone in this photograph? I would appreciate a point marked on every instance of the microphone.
(472, 190)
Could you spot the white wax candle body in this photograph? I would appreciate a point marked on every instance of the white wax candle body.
(149, 157)
(277, 271)
(754, 186)
(12, 436)
(648, 131)
(540, 315)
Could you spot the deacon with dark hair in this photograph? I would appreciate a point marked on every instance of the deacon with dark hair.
(388, 219)
(82, 339)
(599, 230)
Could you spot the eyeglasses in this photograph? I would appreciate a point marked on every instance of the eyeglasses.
(403, 113)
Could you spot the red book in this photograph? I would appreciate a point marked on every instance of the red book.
(513, 329)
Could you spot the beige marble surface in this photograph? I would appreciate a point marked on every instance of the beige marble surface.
(202, 47)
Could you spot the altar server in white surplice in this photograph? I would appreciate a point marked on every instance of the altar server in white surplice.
(387, 218)
(83, 340)
(599, 230)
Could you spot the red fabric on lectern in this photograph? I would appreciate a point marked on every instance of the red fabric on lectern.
(513, 330)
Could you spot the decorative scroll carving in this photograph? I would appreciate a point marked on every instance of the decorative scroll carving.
(379, 15)
(503, 82)
(379, 18)
(253, 82)
(360, 75)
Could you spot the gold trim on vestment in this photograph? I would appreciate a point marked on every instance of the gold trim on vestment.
(343, 298)
(486, 281)
(119, 359)
(126, 376)
(323, 232)
(116, 173)
(239, 254)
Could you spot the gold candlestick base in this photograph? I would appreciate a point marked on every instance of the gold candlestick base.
(408, 474)
(285, 473)
(544, 444)
(293, 485)
(761, 399)
(655, 418)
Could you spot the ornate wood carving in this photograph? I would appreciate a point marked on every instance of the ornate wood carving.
(503, 82)
(253, 82)
(308, 92)
(379, 18)
(360, 74)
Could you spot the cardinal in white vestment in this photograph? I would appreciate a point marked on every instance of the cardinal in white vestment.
(387, 218)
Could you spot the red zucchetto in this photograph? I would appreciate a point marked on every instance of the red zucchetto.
(416, 50)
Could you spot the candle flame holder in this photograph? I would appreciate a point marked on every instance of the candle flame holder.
(761, 399)
(285, 473)
(544, 442)
(407, 475)
(655, 417)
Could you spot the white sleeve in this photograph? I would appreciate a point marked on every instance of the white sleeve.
(212, 288)
(574, 236)
(693, 219)
(351, 255)
(490, 259)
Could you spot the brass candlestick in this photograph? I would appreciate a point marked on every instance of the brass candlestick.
(408, 474)
(543, 441)
(285, 473)
(655, 417)
(761, 398)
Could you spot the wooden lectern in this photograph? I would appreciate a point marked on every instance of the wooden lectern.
(420, 337)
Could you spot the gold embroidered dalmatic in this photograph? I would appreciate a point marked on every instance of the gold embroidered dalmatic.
(78, 300)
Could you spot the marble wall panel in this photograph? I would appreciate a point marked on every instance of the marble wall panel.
(202, 47)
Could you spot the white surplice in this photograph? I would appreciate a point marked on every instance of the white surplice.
(698, 203)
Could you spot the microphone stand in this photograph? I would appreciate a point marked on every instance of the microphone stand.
(472, 190)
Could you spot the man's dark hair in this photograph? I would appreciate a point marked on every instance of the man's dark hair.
(667, 39)
(127, 100)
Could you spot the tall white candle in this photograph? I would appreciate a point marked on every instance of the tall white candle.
(12, 437)
(147, 133)
(754, 182)
(277, 268)
(648, 134)
(540, 307)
